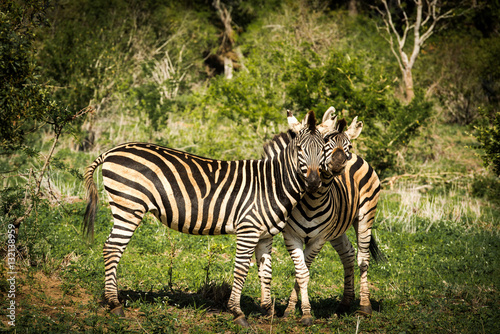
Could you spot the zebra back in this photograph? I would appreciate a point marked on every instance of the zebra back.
(198, 195)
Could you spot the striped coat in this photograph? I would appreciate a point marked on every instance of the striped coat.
(348, 196)
(196, 195)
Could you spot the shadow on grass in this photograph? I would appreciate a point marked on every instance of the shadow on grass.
(325, 308)
(212, 298)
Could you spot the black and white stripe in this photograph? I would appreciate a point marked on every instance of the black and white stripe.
(196, 195)
(348, 196)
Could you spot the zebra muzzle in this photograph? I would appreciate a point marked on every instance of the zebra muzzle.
(313, 180)
(338, 161)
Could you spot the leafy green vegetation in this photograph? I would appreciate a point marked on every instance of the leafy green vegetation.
(79, 77)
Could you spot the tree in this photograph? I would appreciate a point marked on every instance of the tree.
(423, 22)
(25, 107)
(23, 100)
(227, 40)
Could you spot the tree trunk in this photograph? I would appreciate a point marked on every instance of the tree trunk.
(228, 68)
(408, 85)
(353, 7)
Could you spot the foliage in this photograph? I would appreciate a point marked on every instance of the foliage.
(489, 136)
(462, 73)
(487, 187)
(26, 107)
(341, 82)
(24, 102)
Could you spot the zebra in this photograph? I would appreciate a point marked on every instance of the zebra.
(348, 196)
(202, 196)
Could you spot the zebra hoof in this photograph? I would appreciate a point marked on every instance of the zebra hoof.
(343, 309)
(241, 321)
(365, 311)
(118, 311)
(288, 312)
(307, 320)
(268, 312)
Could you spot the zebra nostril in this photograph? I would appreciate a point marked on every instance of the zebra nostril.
(338, 161)
(313, 180)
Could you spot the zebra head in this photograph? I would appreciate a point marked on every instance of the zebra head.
(309, 146)
(338, 142)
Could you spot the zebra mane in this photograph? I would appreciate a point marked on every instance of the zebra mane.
(277, 144)
(342, 124)
(311, 121)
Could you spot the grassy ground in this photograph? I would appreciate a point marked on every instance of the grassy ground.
(442, 275)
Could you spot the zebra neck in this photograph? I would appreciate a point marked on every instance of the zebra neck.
(282, 177)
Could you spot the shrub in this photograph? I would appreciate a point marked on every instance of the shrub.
(354, 91)
(23, 101)
(487, 187)
(488, 134)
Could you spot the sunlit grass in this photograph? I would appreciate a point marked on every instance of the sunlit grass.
(410, 207)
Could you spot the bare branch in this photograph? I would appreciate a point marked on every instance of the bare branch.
(431, 12)
(389, 38)
(388, 21)
(423, 25)
(38, 181)
(408, 26)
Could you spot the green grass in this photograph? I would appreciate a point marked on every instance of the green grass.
(441, 274)
(440, 234)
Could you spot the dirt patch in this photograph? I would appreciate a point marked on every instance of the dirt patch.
(52, 294)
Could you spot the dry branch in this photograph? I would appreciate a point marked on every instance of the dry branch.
(38, 182)
(421, 30)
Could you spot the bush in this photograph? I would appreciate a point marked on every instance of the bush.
(344, 84)
(488, 134)
(24, 104)
(487, 187)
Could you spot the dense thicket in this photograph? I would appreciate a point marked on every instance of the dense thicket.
(23, 100)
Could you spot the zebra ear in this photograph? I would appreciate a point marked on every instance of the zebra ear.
(341, 126)
(293, 123)
(329, 114)
(329, 122)
(354, 129)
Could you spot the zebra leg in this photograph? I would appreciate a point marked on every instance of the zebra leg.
(297, 255)
(369, 198)
(310, 252)
(295, 247)
(302, 262)
(125, 223)
(347, 255)
(263, 258)
(245, 247)
(364, 234)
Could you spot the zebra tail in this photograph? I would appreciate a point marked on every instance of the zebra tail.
(376, 253)
(92, 199)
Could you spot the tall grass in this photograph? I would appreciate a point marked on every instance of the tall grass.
(410, 207)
